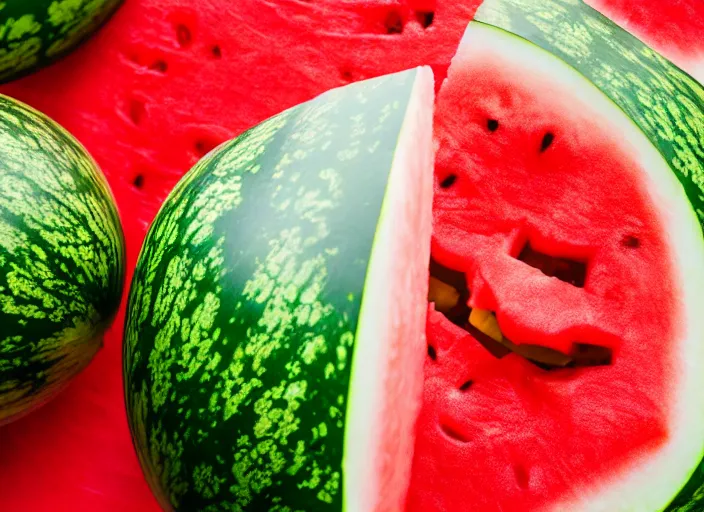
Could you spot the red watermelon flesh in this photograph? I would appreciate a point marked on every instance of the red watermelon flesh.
(675, 28)
(525, 161)
(158, 87)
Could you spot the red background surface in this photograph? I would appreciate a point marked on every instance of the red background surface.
(159, 86)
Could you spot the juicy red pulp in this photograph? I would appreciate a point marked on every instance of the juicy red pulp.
(519, 438)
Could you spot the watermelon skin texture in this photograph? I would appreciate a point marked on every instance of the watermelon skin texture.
(240, 331)
(61, 259)
(38, 32)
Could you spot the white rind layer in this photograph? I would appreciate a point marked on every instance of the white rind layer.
(391, 331)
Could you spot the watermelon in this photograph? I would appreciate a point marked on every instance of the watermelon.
(61, 259)
(35, 33)
(274, 339)
(148, 103)
(675, 29)
(569, 197)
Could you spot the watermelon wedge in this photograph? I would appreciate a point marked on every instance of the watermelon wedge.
(276, 295)
(569, 196)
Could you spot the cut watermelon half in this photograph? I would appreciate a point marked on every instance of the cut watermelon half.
(537, 164)
(274, 340)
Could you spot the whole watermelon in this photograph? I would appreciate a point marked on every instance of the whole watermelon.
(61, 258)
(35, 33)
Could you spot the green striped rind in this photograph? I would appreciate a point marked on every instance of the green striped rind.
(241, 322)
(61, 258)
(34, 33)
(662, 100)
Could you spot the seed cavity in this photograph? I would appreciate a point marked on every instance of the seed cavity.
(216, 51)
(136, 111)
(184, 37)
(522, 475)
(466, 385)
(547, 141)
(159, 65)
(138, 181)
(205, 141)
(448, 181)
(201, 147)
(346, 74)
(630, 241)
(453, 433)
(431, 352)
(425, 18)
(133, 57)
(393, 23)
